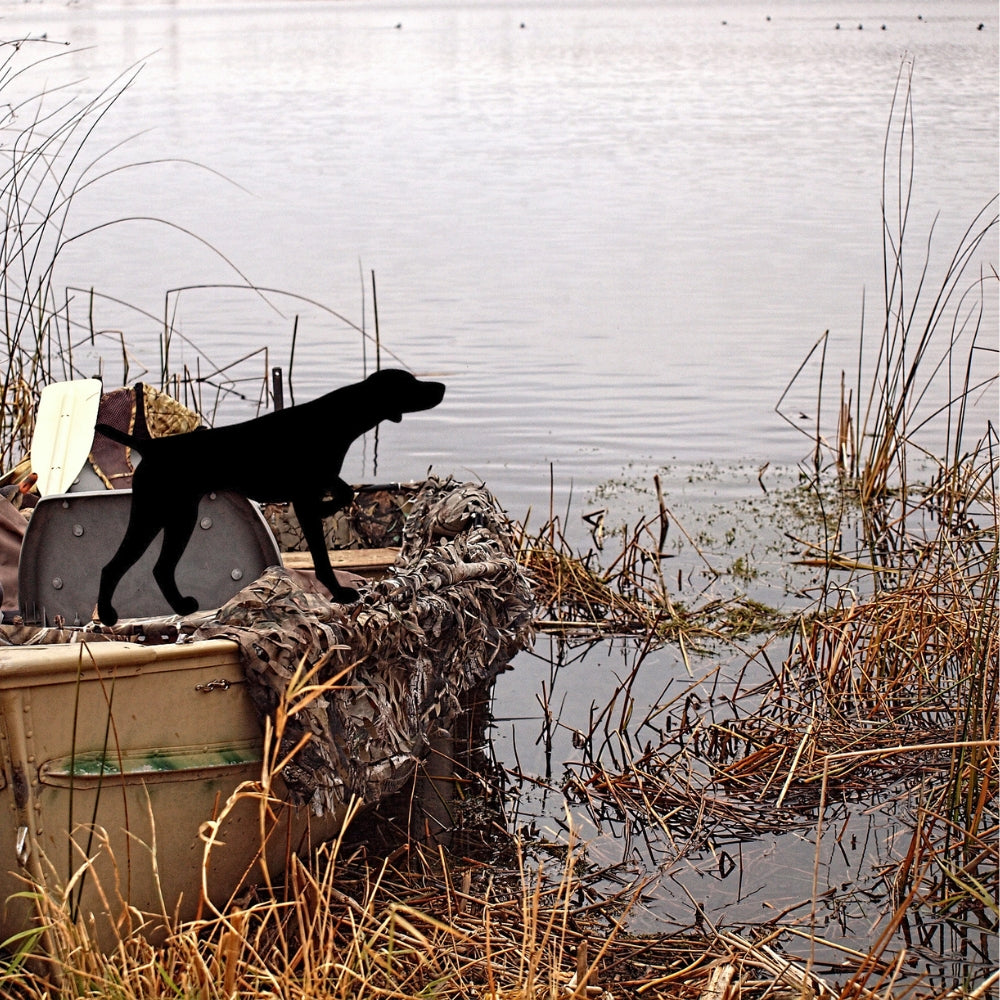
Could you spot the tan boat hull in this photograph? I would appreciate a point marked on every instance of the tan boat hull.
(100, 737)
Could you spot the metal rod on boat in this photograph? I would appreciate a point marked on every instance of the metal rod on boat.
(277, 392)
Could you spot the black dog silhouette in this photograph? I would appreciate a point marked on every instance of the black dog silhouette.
(293, 454)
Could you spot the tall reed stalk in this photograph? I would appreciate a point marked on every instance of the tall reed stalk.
(44, 140)
(49, 157)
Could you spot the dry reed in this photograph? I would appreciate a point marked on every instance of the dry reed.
(579, 594)
(891, 683)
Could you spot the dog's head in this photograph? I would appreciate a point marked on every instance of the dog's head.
(399, 392)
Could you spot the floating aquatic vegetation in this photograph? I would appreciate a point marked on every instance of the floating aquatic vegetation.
(624, 591)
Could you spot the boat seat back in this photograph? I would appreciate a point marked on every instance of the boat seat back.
(72, 535)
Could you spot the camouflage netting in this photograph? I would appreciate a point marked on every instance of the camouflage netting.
(374, 520)
(452, 616)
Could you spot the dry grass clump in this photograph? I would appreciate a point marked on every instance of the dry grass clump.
(891, 697)
(889, 690)
(627, 593)
(350, 925)
(347, 924)
(576, 592)
(496, 916)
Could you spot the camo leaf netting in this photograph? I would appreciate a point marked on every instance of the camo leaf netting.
(449, 619)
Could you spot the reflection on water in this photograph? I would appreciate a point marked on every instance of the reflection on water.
(622, 749)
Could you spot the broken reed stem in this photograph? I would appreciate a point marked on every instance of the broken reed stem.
(579, 593)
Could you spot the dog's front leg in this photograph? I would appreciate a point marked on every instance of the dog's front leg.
(309, 512)
(341, 494)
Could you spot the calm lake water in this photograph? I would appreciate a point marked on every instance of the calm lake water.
(615, 229)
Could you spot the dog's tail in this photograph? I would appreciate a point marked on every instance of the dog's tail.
(120, 436)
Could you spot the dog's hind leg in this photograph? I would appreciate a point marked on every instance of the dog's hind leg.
(176, 535)
(138, 535)
(308, 511)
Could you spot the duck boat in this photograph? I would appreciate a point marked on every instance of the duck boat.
(159, 767)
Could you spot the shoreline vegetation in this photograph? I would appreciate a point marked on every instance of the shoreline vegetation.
(885, 688)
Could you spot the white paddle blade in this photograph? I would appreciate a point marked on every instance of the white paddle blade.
(64, 432)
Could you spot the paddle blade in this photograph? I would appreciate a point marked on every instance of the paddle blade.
(64, 432)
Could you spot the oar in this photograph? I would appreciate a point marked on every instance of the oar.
(64, 432)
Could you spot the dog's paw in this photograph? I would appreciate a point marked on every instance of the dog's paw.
(186, 606)
(345, 595)
(106, 614)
